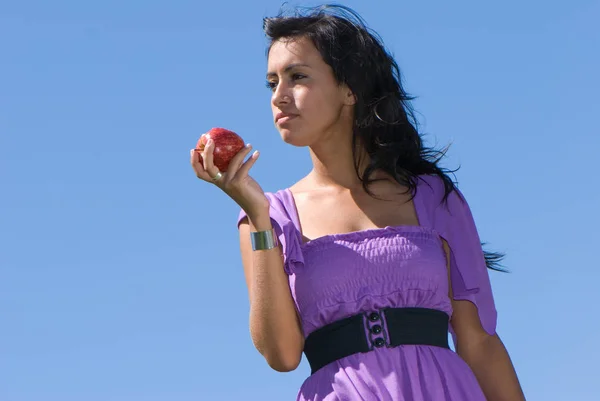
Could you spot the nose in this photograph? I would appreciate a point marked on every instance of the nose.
(281, 95)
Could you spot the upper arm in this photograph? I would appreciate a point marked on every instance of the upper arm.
(274, 323)
(246, 250)
(465, 320)
(468, 274)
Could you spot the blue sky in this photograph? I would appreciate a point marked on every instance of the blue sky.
(120, 273)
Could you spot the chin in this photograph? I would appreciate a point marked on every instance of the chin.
(293, 138)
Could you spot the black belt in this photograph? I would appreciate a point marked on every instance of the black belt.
(417, 326)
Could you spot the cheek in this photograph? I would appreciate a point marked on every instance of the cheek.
(311, 102)
(301, 99)
(325, 108)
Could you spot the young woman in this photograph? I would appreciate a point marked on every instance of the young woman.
(367, 262)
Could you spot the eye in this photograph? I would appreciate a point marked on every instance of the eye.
(297, 76)
(271, 85)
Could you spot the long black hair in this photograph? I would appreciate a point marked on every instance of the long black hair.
(385, 125)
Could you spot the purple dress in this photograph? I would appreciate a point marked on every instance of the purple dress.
(335, 276)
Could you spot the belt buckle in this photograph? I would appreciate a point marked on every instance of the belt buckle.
(376, 329)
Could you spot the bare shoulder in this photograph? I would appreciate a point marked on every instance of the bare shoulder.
(302, 186)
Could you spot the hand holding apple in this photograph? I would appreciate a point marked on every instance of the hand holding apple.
(223, 151)
(227, 145)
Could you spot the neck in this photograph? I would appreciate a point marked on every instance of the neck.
(333, 161)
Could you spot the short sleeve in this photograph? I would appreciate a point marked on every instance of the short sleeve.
(469, 275)
(286, 233)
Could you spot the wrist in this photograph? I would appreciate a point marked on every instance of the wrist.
(263, 240)
(260, 222)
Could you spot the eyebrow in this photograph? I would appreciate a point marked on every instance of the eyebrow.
(288, 68)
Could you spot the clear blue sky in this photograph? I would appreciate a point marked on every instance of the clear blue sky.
(120, 273)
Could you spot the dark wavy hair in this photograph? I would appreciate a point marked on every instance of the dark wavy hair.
(385, 125)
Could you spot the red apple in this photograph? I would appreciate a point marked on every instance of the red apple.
(227, 145)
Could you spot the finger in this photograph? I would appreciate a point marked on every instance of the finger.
(245, 169)
(208, 160)
(196, 161)
(211, 170)
(194, 157)
(238, 159)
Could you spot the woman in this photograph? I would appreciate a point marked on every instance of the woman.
(367, 262)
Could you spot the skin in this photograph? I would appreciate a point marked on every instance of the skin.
(321, 110)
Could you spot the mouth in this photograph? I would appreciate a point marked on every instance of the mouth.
(282, 118)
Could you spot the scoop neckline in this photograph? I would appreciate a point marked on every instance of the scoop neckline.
(351, 235)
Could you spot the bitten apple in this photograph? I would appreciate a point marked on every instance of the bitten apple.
(227, 145)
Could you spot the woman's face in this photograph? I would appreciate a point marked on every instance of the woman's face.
(307, 101)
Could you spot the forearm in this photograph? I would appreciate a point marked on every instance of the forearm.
(274, 326)
(493, 368)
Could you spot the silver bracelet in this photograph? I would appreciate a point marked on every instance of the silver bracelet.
(263, 240)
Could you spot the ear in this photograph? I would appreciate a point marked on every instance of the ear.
(349, 96)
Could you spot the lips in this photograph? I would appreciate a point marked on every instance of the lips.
(281, 118)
